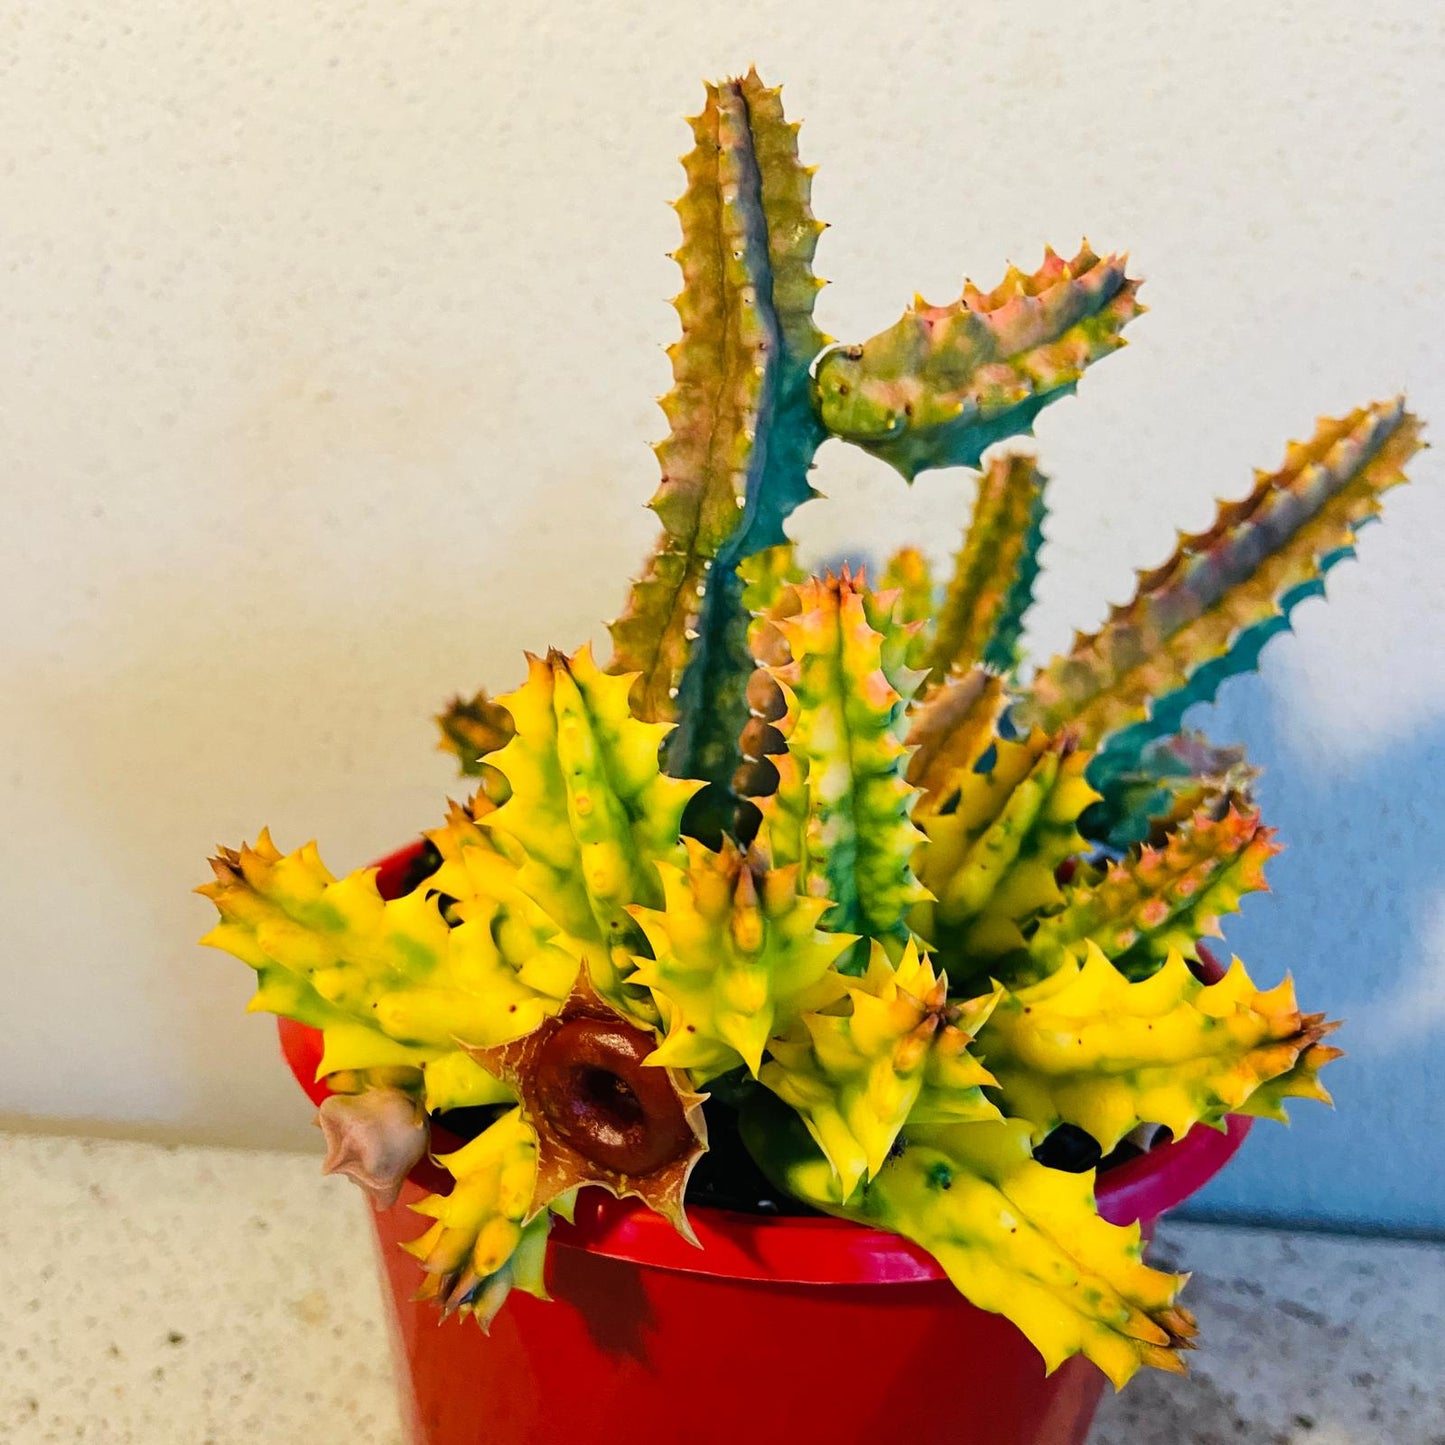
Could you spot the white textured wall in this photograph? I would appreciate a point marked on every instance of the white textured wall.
(330, 338)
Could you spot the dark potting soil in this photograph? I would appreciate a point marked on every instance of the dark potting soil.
(726, 1176)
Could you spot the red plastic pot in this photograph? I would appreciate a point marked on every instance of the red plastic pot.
(801, 1331)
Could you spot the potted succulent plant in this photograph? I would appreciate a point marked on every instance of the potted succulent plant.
(811, 928)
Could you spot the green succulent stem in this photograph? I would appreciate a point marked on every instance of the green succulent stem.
(743, 433)
(944, 383)
(1159, 900)
(842, 802)
(982, 615)
(1206, 612)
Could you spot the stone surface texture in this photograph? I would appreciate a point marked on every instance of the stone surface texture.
(195, 1296)
(181, 1296)
(1306, 1339)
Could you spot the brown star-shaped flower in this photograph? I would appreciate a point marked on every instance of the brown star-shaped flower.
(375, 1138)
(601, 1116)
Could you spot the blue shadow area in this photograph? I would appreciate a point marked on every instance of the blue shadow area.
(1355, 896)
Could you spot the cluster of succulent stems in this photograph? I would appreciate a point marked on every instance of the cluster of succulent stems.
(819, 852)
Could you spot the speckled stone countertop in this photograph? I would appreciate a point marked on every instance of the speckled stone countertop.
(161, 1296)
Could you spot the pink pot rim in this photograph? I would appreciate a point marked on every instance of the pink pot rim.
(790, 1249)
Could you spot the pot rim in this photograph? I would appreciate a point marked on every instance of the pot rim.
(791, 1249)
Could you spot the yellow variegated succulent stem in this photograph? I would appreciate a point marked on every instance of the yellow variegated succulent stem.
(1027, 1242)
(1087, 1047)
(842, 777)
(388, 982)
(855, 1073)
(949, 733)
(480, 1246)
(719, 385)
(590, 811)
(982, 614)
(768, 577)
(1208, 609)
(736, 954)
(990, 863)
(1160, 900)
(1015, 1237)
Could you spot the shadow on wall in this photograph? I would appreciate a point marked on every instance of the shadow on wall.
(1358, 916)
